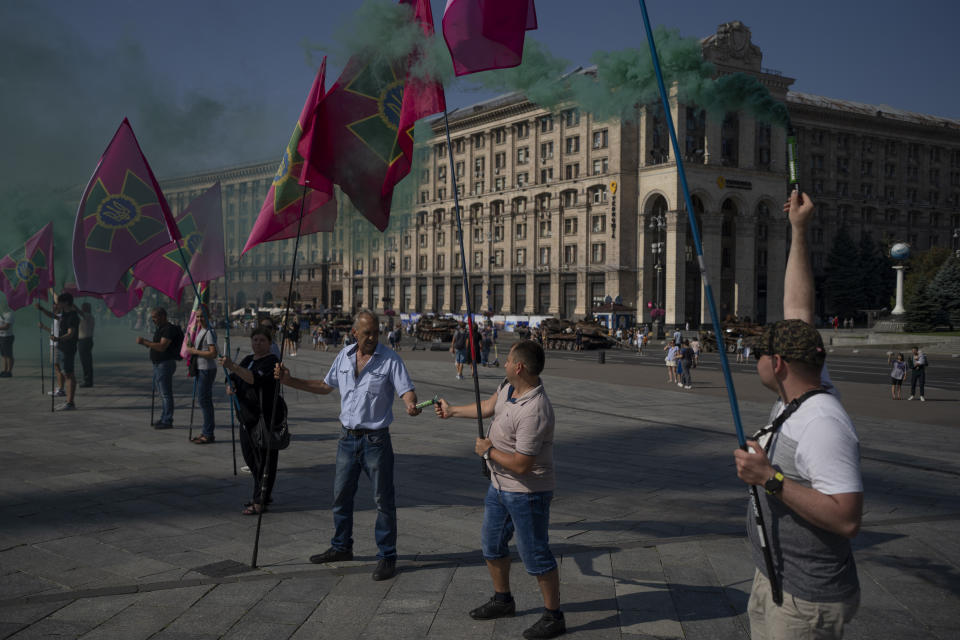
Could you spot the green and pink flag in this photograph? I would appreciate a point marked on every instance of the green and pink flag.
(486, 34)
(26, 279)
(279, 217)
(126, 295)
(201, 232)
(122, 218)
(363, 137)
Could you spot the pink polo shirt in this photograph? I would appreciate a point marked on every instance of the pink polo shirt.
(523, 425)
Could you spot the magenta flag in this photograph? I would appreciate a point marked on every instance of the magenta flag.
(486, 34)
(201, 231)
(123, 216)
(126, 294)
(26, 279)
(279, 217)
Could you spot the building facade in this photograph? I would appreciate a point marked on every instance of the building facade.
(561, 210)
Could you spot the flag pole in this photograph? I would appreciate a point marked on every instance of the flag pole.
(775, 585)
(276, 390)
(193, 404)
(43, 389)
(227, 320)
(466, 283)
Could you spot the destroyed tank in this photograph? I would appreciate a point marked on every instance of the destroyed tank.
(433, 329)
(561, 334)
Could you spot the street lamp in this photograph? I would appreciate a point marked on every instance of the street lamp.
(658, 223)
(956, 242)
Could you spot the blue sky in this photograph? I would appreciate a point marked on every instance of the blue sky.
(240, 65)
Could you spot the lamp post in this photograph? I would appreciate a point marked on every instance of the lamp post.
(658, 223)
(956, 242)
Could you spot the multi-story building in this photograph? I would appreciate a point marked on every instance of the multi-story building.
(561, 210)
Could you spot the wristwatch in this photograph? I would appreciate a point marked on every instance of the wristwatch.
(775, 484)
(486, 454)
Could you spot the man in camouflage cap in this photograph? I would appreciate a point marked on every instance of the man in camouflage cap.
(807, 465)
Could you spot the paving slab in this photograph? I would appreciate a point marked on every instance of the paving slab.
(109, 529)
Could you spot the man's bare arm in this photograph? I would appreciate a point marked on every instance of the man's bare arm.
(282, 374)
(798, 277)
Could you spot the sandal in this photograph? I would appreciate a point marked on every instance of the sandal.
(254, 509)
(202, 440)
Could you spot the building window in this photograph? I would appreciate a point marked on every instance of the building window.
(546, 175)
(572, 171)
(573, 144)
(599, 195)
(499, 135)
(546, 228)
(498, 258)
(600, 166)
(598, 252)
(424, 176)
(544, 256)
(441, 238)
(477, 234)
(600, 139)
(499, 160)
(423, 240)
(523, 155)
(459, 169)
(441, 262)
(478, 259)
(422, 263)
(442, 173)
(479, 165)
(406, 263)
(521, 258)
(913, 151)
(441, 151)
(522, 129)
(546, 124)
(843, 165)
(843, 189)
(546, 151)
(598, 224)
(521, 231)
(441, 193)
(458, 145)
(499, 184)
(569, 198)
(570, 254)
(477, 188)
(478, 140)
(523, 179)
(571, 117)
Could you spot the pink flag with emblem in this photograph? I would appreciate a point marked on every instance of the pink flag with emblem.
(201, 231)
(26, 279)
(486, 34)
(122, 218)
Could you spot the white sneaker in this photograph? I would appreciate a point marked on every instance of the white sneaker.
(245, 469)
(679, 384)
(459, 377)
(922, 399)
(67, 406)
(687, 387)
(59, 393)
(910, 398)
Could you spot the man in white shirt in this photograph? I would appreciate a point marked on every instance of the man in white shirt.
(6, 341)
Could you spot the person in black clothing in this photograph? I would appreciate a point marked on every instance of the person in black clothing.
(66, 339)
(253, 382)
(164, 352)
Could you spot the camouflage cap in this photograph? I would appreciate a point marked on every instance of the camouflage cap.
(792, 340)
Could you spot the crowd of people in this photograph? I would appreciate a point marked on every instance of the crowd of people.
(804, 467)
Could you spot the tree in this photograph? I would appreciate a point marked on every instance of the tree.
(878, 280)
(923, 311)
(944, 289)
(843, 283)
(922, 267)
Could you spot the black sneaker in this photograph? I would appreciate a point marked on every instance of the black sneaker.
(493, 609)
(546, 627)
(332, 555)
(162, 425)
(386, 569)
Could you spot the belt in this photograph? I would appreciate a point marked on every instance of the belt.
(359, 433)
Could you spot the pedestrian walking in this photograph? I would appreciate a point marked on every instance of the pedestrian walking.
(685, 364)
(64, 335)
(807, 463)
(367, 374)
(255, 386)
(918, 373)
(518, 452)
(204, 352)
(671, 361)
(458, 347)
(164, 353)
(897, 374)
(85, 343)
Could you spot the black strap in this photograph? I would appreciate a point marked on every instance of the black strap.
(788, 411)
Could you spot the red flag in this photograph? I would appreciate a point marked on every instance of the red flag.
(126, 295)
(122, 217)
(280, 215)
(365, 124)
(28, 279)
(201, 229)
(486, 34)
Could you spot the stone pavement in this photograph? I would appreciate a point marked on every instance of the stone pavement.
(109, 529)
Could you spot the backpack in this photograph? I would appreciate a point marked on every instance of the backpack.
(460, 340)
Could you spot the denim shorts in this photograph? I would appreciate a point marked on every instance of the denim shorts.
(461, 356)
(528, 516)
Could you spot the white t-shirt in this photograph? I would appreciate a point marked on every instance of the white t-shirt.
(6, 318)
(204, 340)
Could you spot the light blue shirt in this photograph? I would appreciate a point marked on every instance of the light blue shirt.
(366, 402)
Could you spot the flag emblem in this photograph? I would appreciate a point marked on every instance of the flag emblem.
(382, 87)
(122, 212)
(27, 271)
(191, 241)
(286, 188)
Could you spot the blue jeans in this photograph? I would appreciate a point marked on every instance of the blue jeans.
(163, 382)
(205, 379)
(527, 515)
(372, 453)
